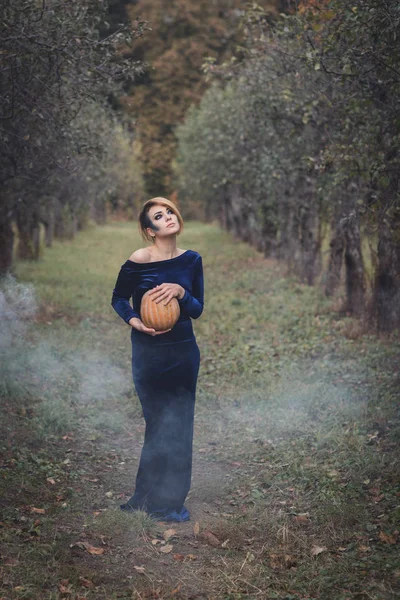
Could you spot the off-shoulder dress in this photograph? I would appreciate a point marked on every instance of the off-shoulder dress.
(165, 369)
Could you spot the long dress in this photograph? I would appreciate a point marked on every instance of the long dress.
(165, 369)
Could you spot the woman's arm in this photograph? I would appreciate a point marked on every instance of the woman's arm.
(121, 295)
(193, 303)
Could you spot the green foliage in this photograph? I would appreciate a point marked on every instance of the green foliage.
(302, 134)
(57, 76)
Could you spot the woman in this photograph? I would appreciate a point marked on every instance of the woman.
(165, 364)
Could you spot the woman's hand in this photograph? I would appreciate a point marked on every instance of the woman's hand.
(166, 291)
(140, 326)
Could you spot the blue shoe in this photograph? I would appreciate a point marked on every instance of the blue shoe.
(183, 515)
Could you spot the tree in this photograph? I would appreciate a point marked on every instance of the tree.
(184, 35)
(304, 135)
(52, 63)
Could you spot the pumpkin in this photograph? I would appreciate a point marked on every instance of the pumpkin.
(159, 316)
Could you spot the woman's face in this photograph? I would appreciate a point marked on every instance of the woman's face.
(164, 220)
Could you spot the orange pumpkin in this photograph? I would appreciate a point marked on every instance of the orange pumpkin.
(159, 316)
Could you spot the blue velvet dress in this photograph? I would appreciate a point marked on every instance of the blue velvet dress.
(164, 369)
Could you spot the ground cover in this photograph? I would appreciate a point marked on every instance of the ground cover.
(295, 489)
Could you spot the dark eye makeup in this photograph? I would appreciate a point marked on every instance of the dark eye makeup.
(158, 216)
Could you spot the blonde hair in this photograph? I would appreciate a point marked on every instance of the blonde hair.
(144, 219)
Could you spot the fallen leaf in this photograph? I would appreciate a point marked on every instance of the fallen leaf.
(388, 539)
(342, 549)
(89, 548)
(155, 542)
(64, 587)
(139, 569)
(51, 480)
(302, 519)
(39, 511)
(178, 557)
(169, 533)
(176, 590)
(316, 550)
(196, 529)
(210, 538)
(281, 561)
(166, 549)
(86, 582)
(109, 494)
(191, 557)
(364, 548)
(333, 473)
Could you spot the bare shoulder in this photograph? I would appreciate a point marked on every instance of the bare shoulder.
(141, 256)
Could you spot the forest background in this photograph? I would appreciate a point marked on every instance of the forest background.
(278, 122)
(279, 119)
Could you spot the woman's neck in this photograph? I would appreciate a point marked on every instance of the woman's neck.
(164, 250)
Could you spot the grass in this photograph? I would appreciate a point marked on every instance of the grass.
(295, 489)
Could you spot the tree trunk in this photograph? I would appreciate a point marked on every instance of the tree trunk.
(49, 230)
(6, 245)
(28, 231)
(59, 220)
(355, 276)
(337, 245)
(287, 246)
(310, 242)
(387, 281)
(47, 220)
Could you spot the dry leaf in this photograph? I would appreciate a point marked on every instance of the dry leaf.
(166, 549)
(89, 548)
(39, 511)
(86, 582)
(333, 473)
(302, 519)
(51, 480)
(64, 587)
(178, 557)
(139, 569)
(176, 590)
(388, 539)
(169, 533)
(281, 561)
(316, 550)
(191, 557)
(155, 542)
(364, 548)
(196, 529)
(210, 538)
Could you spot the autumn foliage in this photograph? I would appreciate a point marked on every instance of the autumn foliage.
(184, 33)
